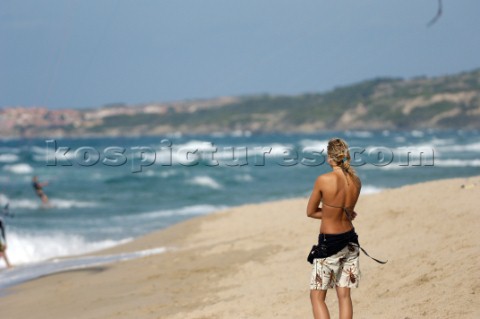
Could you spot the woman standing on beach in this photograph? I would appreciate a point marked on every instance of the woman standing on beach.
(336, 261)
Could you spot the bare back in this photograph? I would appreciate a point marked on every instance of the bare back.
(338, 192)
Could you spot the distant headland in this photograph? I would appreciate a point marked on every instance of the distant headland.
(445, 102)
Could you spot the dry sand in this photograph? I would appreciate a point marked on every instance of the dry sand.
(250, 262)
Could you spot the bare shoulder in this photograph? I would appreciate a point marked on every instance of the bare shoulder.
(323, 179)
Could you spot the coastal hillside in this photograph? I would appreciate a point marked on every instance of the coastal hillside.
(446, 102)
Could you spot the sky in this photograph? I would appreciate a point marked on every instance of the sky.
(88, 53)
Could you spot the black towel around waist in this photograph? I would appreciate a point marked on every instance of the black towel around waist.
(330, 244)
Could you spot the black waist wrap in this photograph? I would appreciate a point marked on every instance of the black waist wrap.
(330, 244)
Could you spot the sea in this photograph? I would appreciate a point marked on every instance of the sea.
(107, 191)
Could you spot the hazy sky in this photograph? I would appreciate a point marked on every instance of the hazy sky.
(84, 53)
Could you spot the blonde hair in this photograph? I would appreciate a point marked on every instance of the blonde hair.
(338, 151)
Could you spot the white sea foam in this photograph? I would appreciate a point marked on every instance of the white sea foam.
(359, 134)
(274, 149)
(206, 181)
(186, 153)
(218, 134)
(8, 158)
(26, 248)
(240, 133)
(413, 149)
(4, 200)
(40, 154)
(184, 211)
(415, 163)
(369, 189)
(155, 173)
(457, 162)
(314, 144)
(20, 168)
(391, 166)
(472, 147)
(6, 149)
(280, 149)
(416, 133)
(38, 149)
(442, 141)
(167, 173)
(197, 145)
(195, 151)
(53, 203)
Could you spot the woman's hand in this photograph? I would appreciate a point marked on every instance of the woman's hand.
(352, 215)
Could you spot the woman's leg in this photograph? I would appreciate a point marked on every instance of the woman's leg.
(344, 303)
(320, 310)
(44, 199)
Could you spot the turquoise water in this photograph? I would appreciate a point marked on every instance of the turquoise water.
(99, 206)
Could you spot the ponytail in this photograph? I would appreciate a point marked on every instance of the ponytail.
(338, 151)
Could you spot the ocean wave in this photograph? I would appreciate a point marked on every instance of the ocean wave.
(240, 133)
(392, 166)
(146, 173)
(421, 147)
(414, 163)
(197, 145)
(359, 134)
(417, 133)
(184, 211)
(442, 141)
(53, 203)
(317, 145)
(70, 156)
(196, 151)
(206, 181)
(276, 149)
(4, 200)
(168, 173)
(186, 153)
(243, 178)
(472, 147)
(8, 158)
(369, 189)
(21, 168)
(165, 173)
(6, 149)
(38, 149)
(457, 162)
(26, 248)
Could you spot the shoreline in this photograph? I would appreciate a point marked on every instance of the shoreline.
(242, 260)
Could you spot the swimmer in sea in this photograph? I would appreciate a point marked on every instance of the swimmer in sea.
(38, 187)
(3, 237)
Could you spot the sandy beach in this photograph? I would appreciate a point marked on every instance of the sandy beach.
(250, 262)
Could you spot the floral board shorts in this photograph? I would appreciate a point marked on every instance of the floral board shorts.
(341, 269)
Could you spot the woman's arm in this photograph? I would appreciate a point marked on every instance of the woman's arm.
(313, 211)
